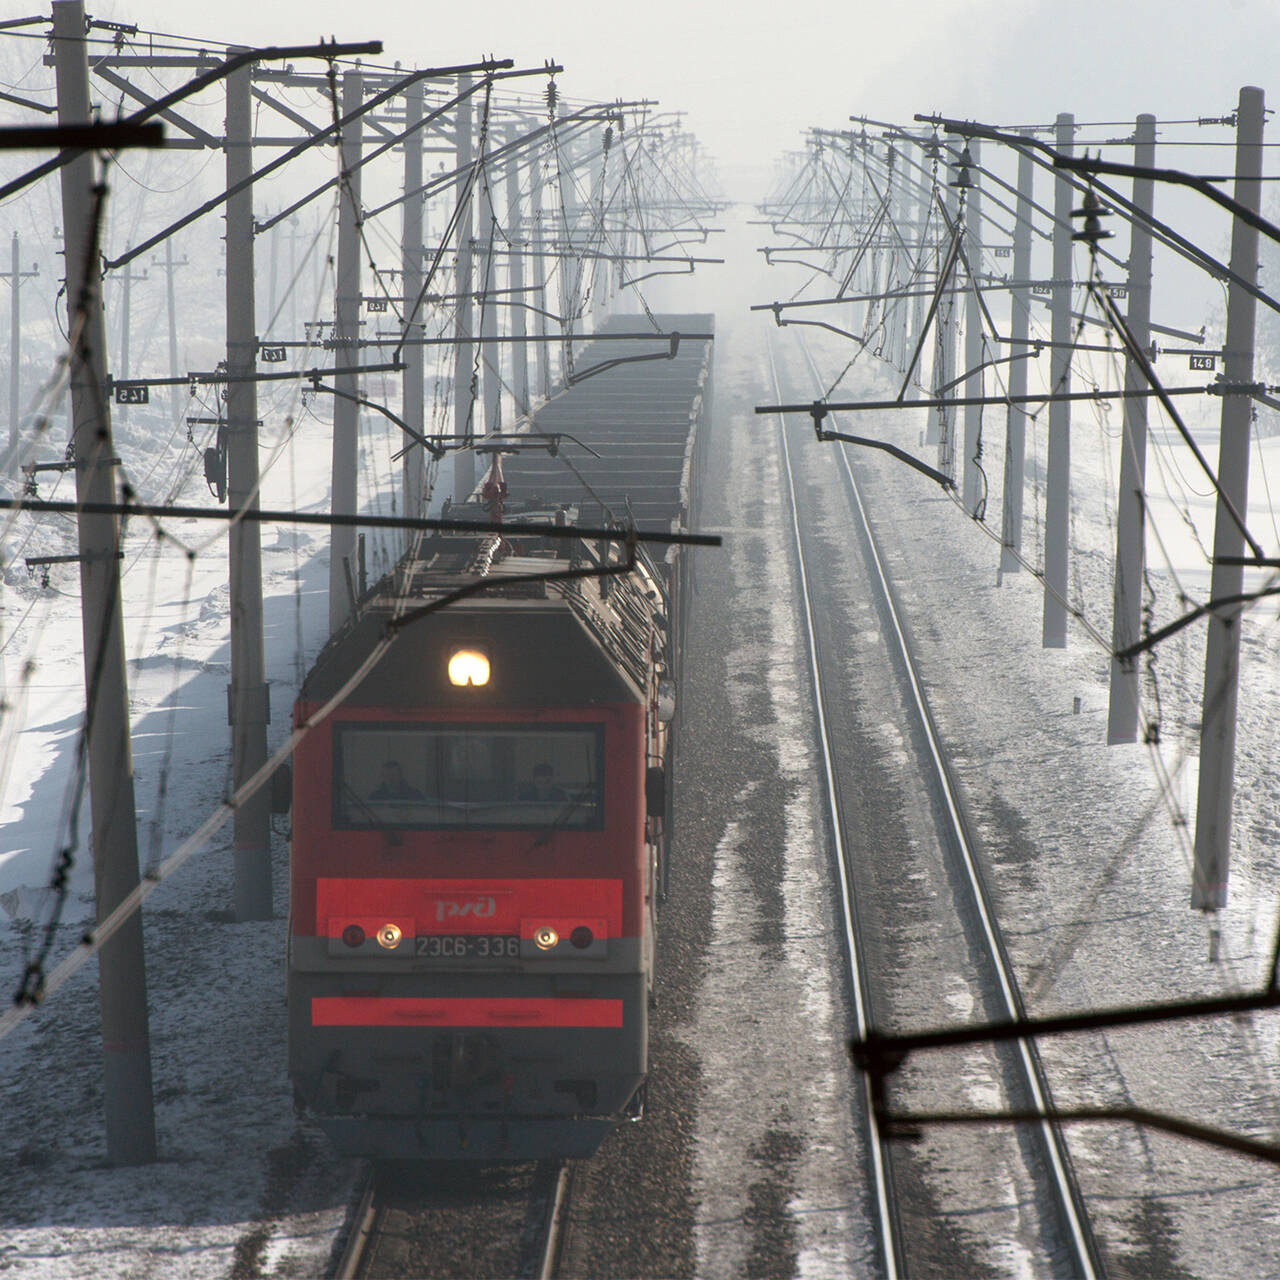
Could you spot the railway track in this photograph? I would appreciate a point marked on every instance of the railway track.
(1051, 1169)
(392, 1212)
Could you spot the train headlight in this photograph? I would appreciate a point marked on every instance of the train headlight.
(389, 936)
(545, 937)
(469, 667)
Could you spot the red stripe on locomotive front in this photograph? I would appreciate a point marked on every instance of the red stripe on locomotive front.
(385, 1011)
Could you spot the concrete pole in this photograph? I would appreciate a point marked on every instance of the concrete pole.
(848, 226)
(1222, 654)
(126, 283)
(541, 298)
(273, 276)
(1057, 504)
(412, 394)
(940, 425)
(127, 1096)
(1126, 626)
(169, 267)
(126, 321)
(464, 390)
(15, 343)
(489, 280)
(293, 270)
(973, 482)
(900, 212)
(624, 302)
(518, 327)
(922, 222)
(600, 273)
(871, 281)
(247, 695)
(570, 266)
(1015, 450)
(346, 330)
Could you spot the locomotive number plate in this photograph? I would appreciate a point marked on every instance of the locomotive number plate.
(467, 946)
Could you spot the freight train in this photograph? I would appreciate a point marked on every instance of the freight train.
(481, 828)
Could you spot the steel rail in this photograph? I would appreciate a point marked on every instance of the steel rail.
(366, 1226)
(553, 1239)
(1070, 1199)
(881, 1170)
(362, 1232)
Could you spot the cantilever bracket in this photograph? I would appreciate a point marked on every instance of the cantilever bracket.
(605, 365)
(818, 412)
(433, 449)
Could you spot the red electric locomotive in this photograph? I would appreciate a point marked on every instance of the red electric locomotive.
(478, 839)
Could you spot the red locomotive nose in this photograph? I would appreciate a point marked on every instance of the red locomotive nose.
(582, 937)
(353, 935)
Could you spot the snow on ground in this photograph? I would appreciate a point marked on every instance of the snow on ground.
(242, 1188)
(792, 1115)
(232, 1159)
(1088, 851)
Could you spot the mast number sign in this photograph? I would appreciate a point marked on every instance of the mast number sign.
(1208, 363)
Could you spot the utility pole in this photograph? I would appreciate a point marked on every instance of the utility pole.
(170, 266)
(272, 275)
(248, 698)
(1015, 452)
(16, 277)
(127, 1095)
(1222, 654)
(464, 462)
(924, 220)
(538, 262)
(346, 332)
(293, 276)
(515, 280)
(899, 215)
(941, 429)
(972, 473)
(489, 284)
(1057, 502)
(412, 399)
(125, 316)
(872, 261)
(1122, 712)
(569, 265)
(600, 273)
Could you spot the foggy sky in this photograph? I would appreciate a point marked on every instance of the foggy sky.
(752, 76)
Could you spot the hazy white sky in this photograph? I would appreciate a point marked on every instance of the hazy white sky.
(754, 75)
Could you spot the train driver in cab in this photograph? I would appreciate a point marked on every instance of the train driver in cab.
(394, 786)
(542, 788)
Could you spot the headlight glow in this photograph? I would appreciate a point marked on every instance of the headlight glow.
(468, 667)
(389, 936)
(545, 937)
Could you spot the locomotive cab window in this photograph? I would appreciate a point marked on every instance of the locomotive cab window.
(481, 776)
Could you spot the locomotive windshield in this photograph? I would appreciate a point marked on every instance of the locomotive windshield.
(483, 776)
